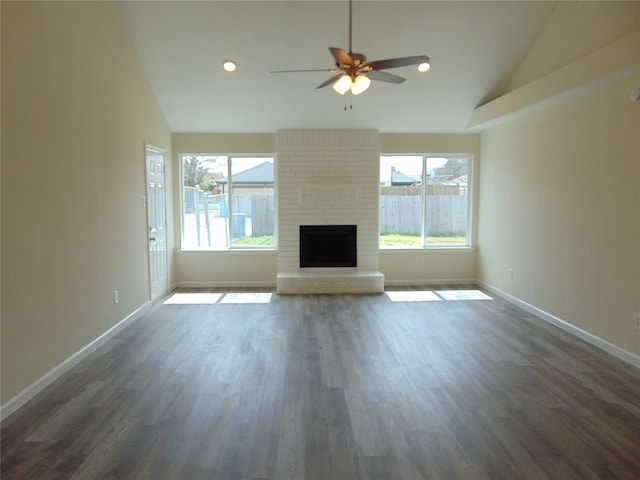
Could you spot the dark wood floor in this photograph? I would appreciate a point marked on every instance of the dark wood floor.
(334, 387)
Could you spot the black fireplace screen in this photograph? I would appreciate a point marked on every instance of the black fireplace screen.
(328, 246)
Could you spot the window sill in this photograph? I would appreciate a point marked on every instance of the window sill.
(231, 250)
(443, 248)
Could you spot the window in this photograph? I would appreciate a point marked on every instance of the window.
(424, 200)
(227, 202)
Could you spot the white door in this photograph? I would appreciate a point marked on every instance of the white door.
(157, 221)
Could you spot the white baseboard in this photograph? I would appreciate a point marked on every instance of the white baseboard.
(47, 379)
(271, 284)
(618, 352)
(429, 282)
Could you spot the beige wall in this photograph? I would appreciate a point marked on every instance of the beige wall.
(76, 111)
(227, 268)
(575, 30)
(560, 200)
(0, 202)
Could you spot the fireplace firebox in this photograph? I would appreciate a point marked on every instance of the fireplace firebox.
(328, 246)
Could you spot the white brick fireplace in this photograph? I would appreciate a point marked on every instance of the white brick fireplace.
(328, 177)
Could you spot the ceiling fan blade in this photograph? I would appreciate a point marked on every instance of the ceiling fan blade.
(341, 56)
(384, 76)
(331, 70)
(330, 81)
(397, 62)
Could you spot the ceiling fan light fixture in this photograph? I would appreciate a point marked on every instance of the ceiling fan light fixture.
(360, 84)
(352, 72)
(229, 66)
(343, 84)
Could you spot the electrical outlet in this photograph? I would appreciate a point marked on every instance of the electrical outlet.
(116, 296)
(511, 274)
(638, 321)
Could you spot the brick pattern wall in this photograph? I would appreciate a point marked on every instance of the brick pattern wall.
(328, 177)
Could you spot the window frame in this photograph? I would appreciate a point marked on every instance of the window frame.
(229, 197)
(424, 204)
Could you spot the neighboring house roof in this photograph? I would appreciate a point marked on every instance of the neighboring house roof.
(259, 175)
(399, 178)
(448, 180)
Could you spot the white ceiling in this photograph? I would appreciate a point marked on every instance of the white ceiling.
(475, 48)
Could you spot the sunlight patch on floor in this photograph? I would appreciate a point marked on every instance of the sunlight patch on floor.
(413, 296)
(247, 298)
(208, 298)
(463, 295)
(435, 296)
(200, 298)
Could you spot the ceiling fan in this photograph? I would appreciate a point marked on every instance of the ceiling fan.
(354, 73)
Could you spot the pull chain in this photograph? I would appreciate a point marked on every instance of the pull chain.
(350, 101)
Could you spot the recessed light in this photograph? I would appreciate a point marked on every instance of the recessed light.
(229, 66)
(424, 67)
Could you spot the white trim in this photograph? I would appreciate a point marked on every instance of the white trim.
(227, 283)
(12, 405)
(269, 283)
(412, 282)
(232, 251)
(150, 148)
(618, 352)
(432, 248)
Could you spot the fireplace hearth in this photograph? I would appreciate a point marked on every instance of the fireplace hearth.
(328, 246)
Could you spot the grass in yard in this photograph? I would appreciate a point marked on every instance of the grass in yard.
(257, 241)
(400, 240)
(386, 240)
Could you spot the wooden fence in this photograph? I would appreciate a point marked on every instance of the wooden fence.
(262, 215)
(446, 214)
(259, 210)
(399, 213)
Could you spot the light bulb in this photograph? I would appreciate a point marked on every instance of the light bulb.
(424, 67)
(229, 66)
(342, 85)
(360, 84)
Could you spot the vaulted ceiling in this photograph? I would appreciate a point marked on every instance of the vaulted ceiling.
(475, 48)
